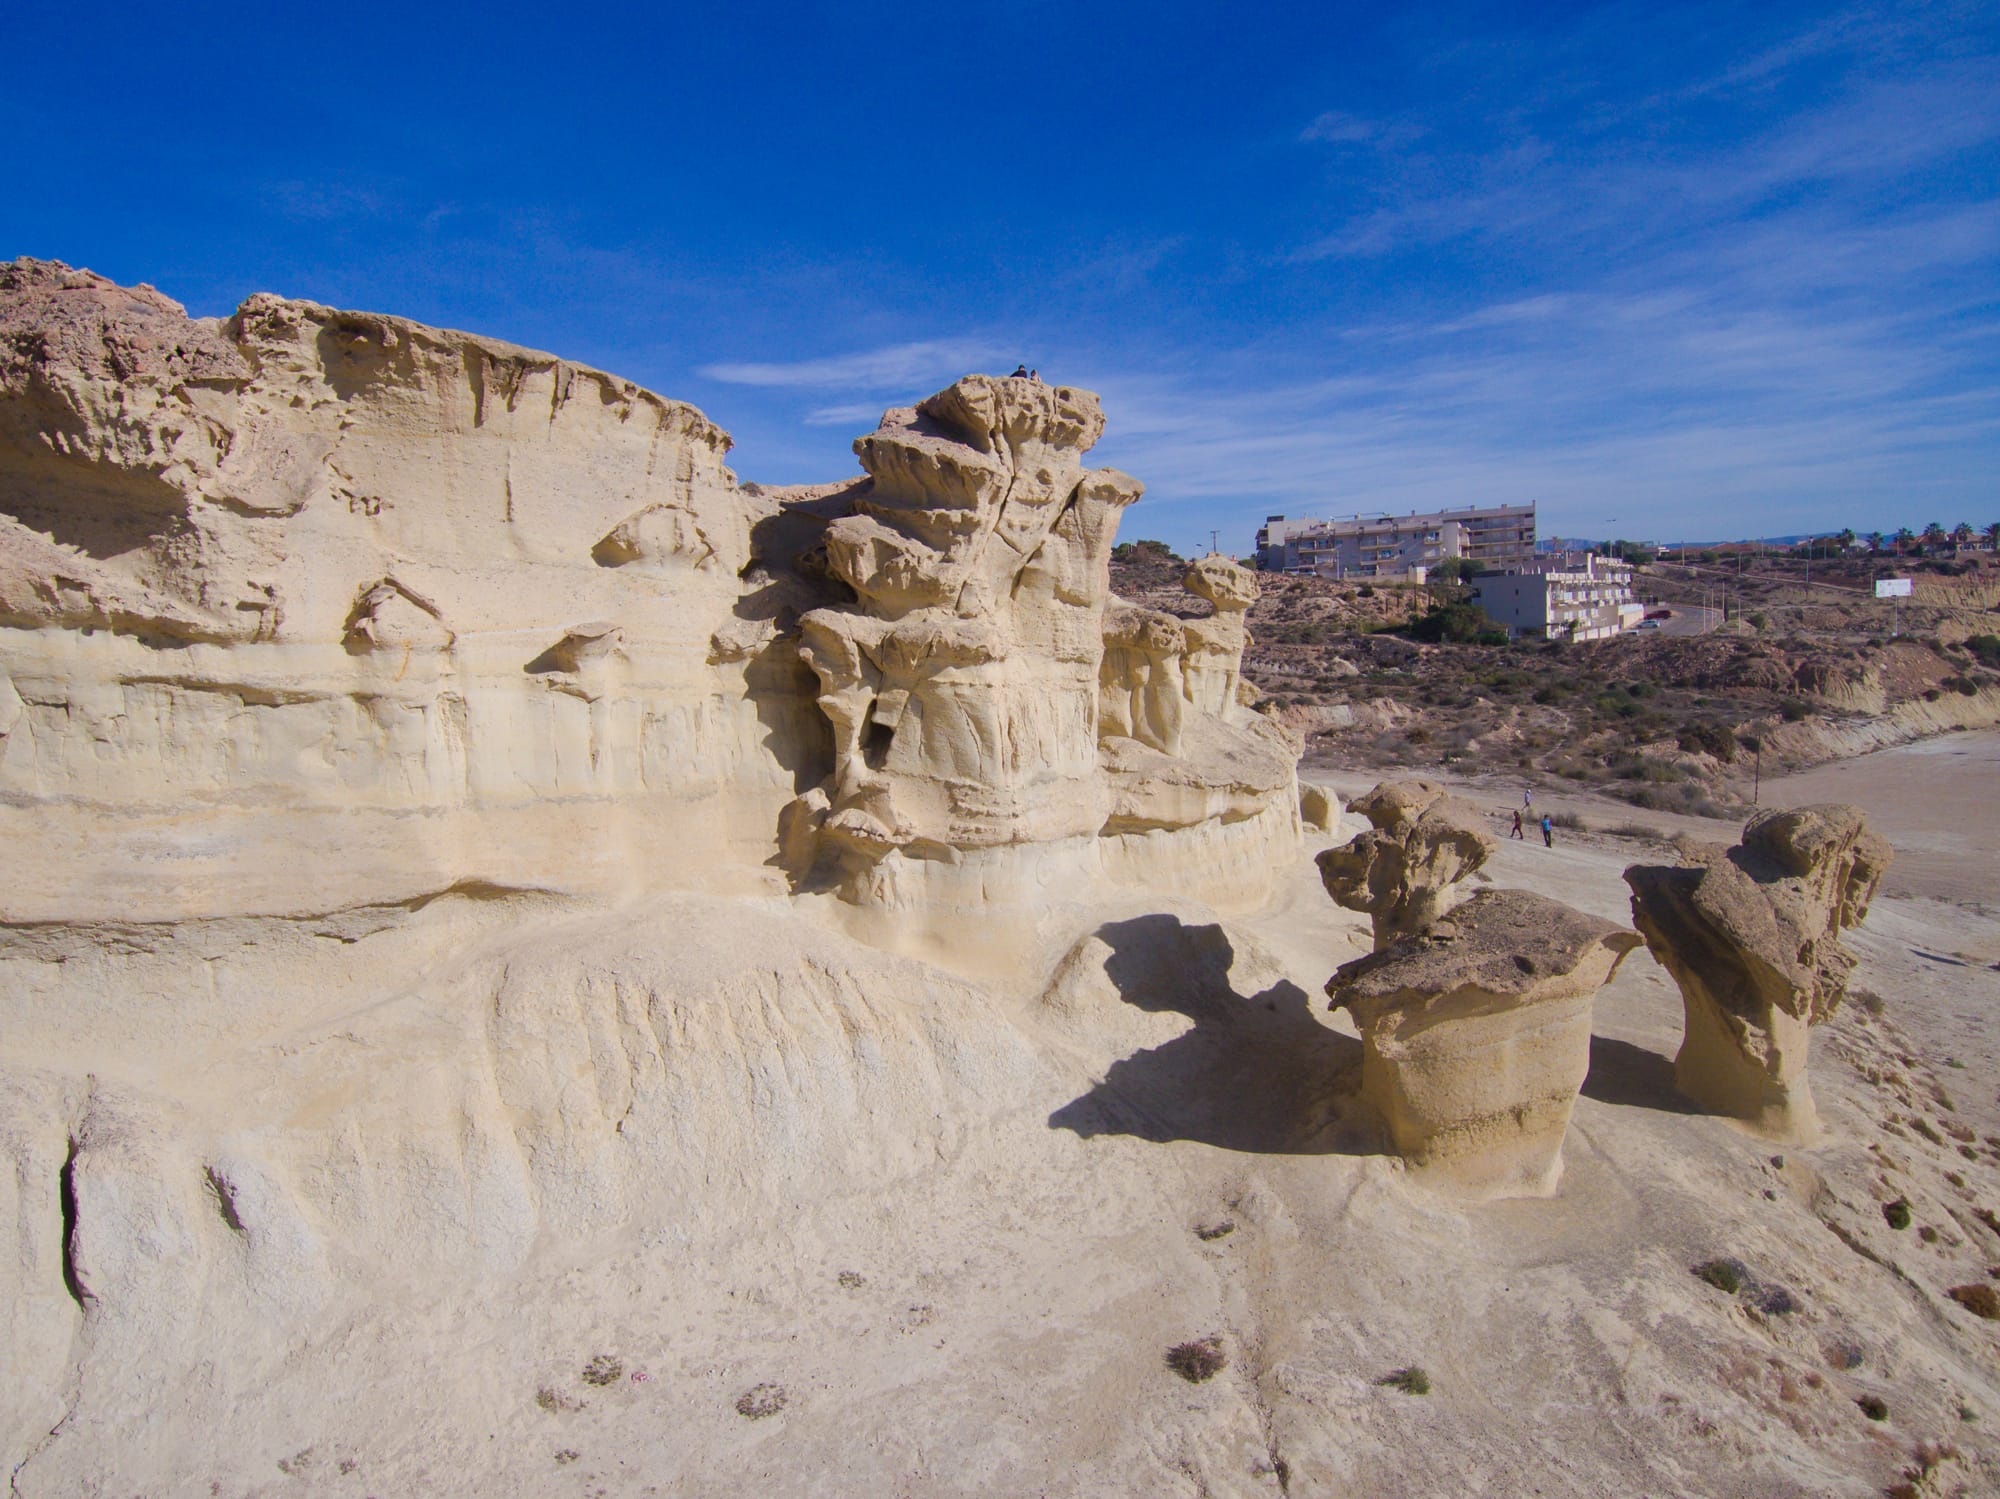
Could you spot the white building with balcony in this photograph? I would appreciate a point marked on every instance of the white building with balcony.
(1401, 547)
(1564, 596)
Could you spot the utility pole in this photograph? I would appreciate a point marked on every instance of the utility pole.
(1214, 541)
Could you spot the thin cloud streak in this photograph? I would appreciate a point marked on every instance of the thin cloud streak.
(896, 366)
(858, 414)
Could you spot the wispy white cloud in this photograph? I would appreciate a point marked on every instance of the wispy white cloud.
(1633, 179)
(859, 413)
(1707, 409)
(895, 367)
(1338, 128)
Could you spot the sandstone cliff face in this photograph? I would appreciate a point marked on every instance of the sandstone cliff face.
(271, 585)
(280, 582)
(1752, 936)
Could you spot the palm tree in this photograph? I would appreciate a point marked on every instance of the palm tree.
(1845, 540)
(1961, 534)
(1993, 536)
(1904, 536)
(1875, 542)
(1933, 536)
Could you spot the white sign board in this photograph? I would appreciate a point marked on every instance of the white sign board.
(1892, 588)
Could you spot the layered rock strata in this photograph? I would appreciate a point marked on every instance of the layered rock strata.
(1751, 933)
(1401, 872)
(368, 608)
(378, 610)
(1476, 1037)
(996, 715)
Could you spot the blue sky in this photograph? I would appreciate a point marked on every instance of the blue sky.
(1668, 271)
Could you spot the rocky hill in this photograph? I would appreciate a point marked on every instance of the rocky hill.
(1669, 721)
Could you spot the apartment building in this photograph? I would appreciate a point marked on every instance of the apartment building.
(1569, 596)
(1398, 546)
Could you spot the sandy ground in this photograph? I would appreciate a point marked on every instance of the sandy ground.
(1180, 1167)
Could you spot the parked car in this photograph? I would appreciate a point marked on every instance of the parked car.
(1649, 624)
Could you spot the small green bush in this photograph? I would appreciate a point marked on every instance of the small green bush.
(1724, 1274)
(1708, 739)
(1457, 624)
(1896, 1214)
(1411, 1381)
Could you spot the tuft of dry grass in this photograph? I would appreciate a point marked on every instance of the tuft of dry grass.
(1411, 1381)
(1200, 1360)
(1978, 1298)
(1639, 830)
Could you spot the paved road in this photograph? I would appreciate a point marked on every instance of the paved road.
(1690, 619)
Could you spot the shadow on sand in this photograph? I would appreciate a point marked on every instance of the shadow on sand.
(1258, 1073)
(1631, 1076)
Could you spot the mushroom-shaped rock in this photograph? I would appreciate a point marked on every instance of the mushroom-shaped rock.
(1401, 871)
(1476, 1037)
(1751, 935)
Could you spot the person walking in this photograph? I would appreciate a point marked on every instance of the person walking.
(1517, 833)
(1527, 801)
(1548, 831)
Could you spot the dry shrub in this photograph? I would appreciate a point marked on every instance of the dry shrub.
(1979, 1299)
(1197, 1361)
(760, 1401)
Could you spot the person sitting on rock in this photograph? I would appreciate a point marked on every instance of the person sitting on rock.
(1020, 372)
(1036, 376)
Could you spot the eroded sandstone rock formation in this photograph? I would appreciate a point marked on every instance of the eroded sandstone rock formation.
(382, 610)
(1402, 871)
(998, 719)
(1476, 1036)
(1751, 933)
(392, 723)
(368, 608)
